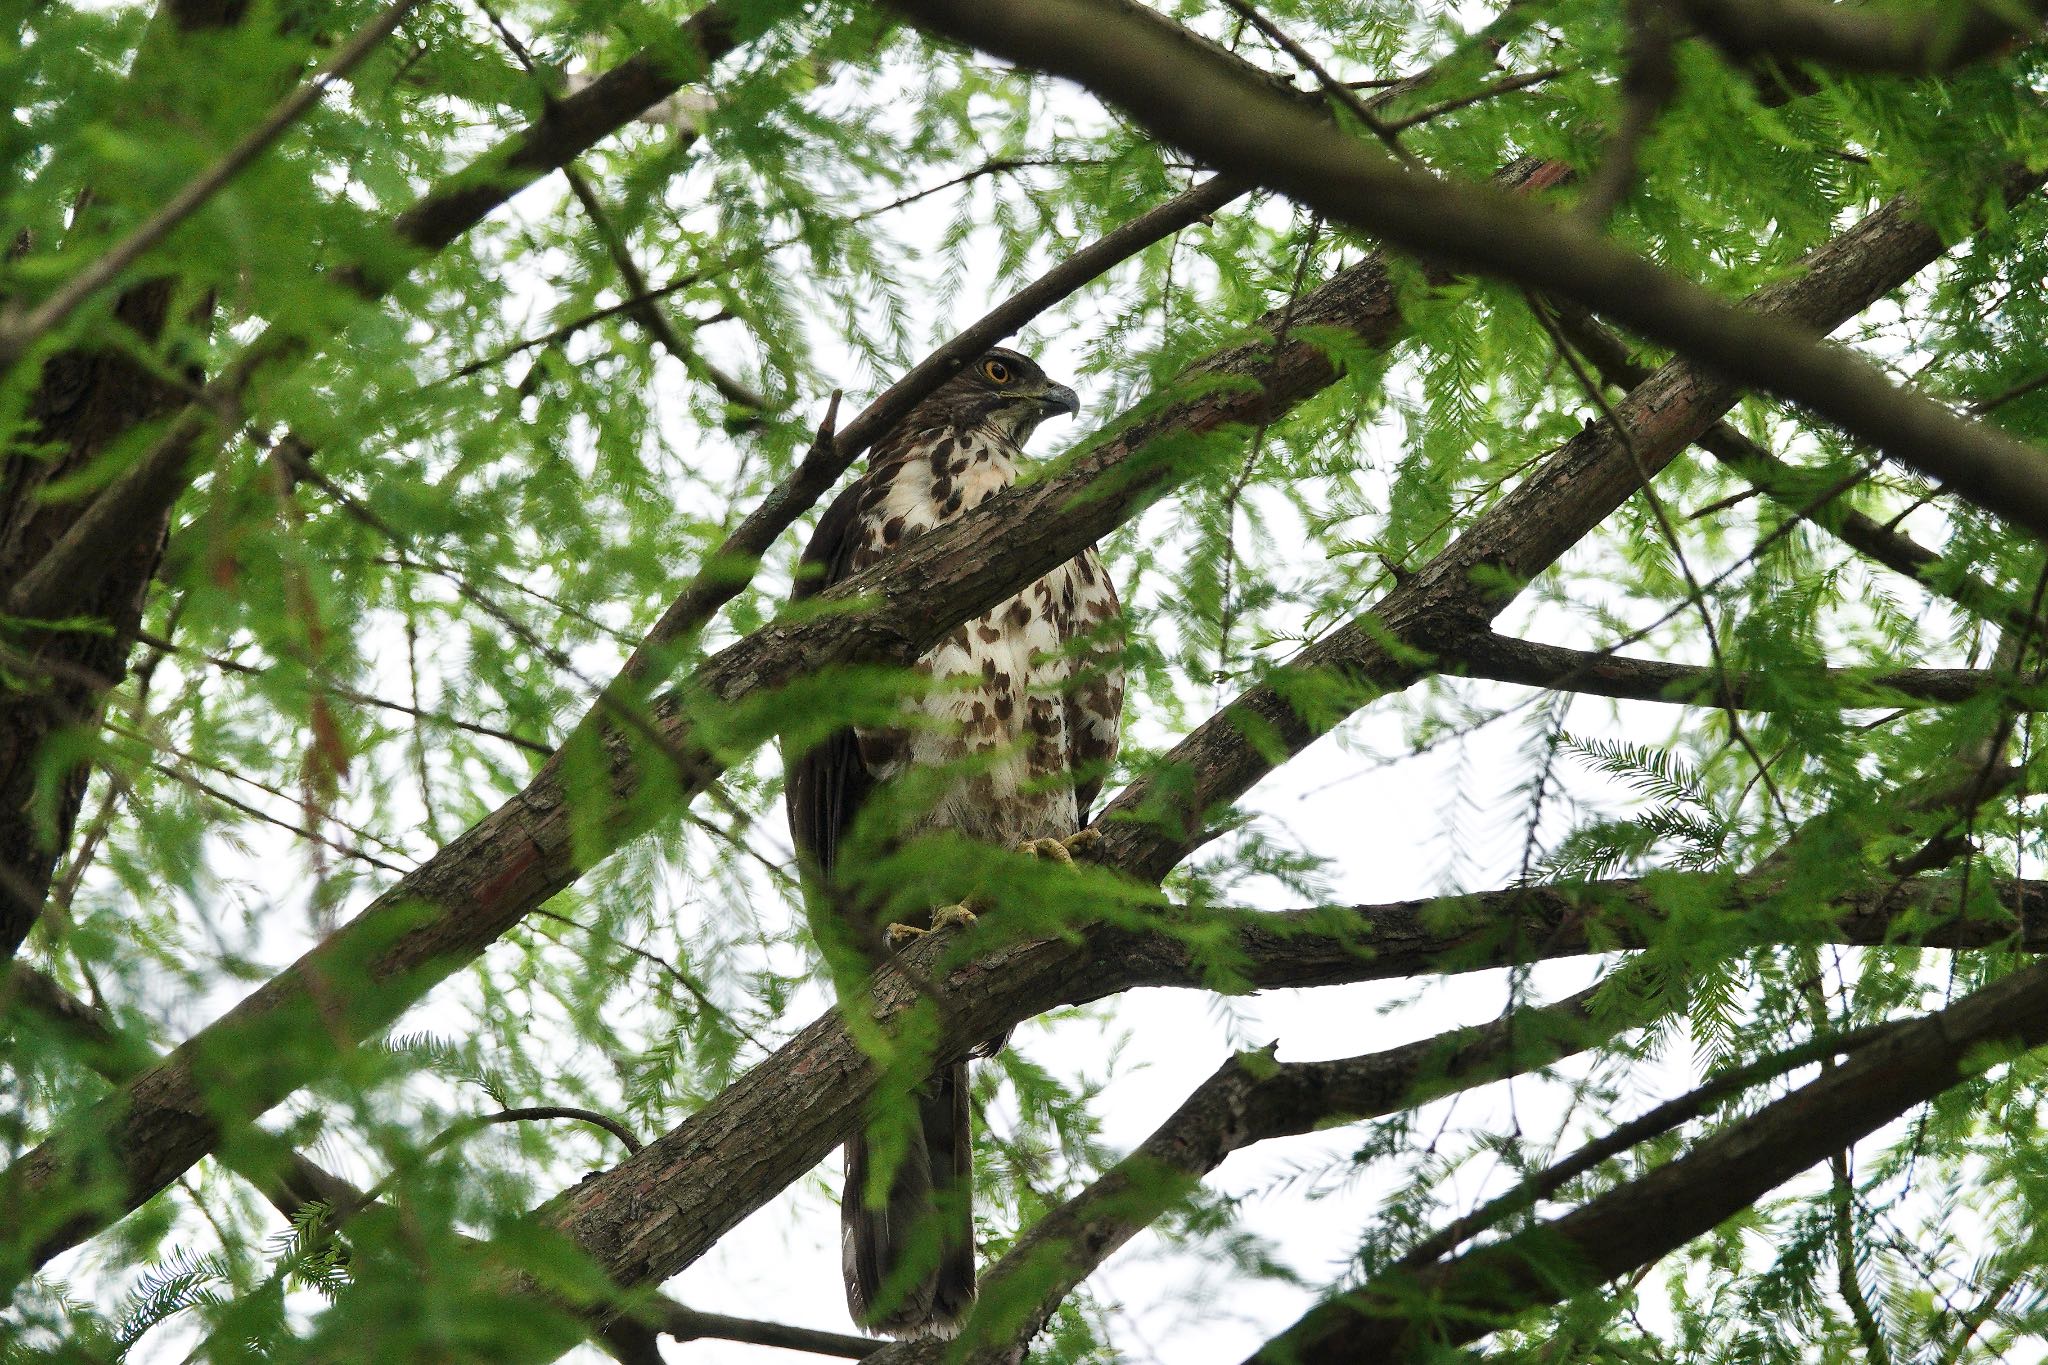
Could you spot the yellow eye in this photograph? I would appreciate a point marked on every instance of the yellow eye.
(996, 370)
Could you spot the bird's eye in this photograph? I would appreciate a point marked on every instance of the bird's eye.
(996, 370)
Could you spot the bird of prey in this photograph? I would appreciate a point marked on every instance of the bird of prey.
(1028, 686)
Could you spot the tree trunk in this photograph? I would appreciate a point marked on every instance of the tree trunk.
(85, 401)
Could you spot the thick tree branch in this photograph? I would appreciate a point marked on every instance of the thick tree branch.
(1200, 99)
(1404, 1314)
(1942, 37)
(298, 1183)
(289, 1185)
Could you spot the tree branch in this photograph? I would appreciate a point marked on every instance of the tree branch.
(672, 1319)
(299, 1183)
(1203, 100)
(103, 270)
(1406, 1313)
(1941, 38)
(1781, 688)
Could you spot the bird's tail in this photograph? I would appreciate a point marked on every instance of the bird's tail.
(930, 1206)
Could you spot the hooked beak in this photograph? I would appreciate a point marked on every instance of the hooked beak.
(1060, 398)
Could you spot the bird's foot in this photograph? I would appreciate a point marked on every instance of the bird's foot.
(953, 916)
(1062, 850)
(900, 936)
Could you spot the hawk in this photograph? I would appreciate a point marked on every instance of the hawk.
(1027, 686)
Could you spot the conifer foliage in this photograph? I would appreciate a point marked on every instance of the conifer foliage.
(412, 411)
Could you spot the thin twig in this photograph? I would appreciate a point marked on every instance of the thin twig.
(1339, 91)
(1504, 86)
(1694, 593)
(644, 312)
(312, 836)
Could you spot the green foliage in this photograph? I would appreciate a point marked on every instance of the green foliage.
(512, 475)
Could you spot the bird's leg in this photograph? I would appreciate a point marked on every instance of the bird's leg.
(1062, 850)
(963, 914)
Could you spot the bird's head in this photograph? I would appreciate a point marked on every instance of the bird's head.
(1003, 389)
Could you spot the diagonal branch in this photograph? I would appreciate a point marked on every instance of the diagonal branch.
(1203, 100)
(296, 1183)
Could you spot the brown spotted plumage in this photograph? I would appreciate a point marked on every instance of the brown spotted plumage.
(1036, 695)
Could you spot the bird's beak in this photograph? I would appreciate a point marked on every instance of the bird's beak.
(1060, 398)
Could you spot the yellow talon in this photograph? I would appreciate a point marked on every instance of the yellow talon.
(1061, 850)
(902, 935)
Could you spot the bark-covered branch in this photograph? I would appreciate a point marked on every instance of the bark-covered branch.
(1191, 94)
(295, 1183)
(673, 1319)
(1403, 1314)
(1503, 658)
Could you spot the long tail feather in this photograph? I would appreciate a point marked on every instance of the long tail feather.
(930, 1204)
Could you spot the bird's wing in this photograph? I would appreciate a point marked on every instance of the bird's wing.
(1095, 704)
(826, 784)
